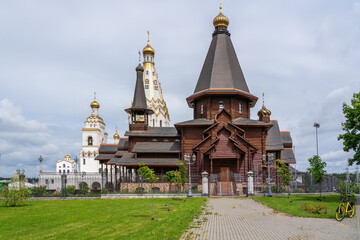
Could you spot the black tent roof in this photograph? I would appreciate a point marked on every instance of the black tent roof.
(221, 72)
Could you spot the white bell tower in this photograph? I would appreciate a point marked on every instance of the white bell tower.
(93, 134)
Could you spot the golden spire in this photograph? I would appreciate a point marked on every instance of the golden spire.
(221, 19)
(148, 49)
(94, 104)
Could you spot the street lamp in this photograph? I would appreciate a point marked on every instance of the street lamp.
(40, 160)
(188, 159)
(317, 125)
(76, 164)
(271, 157)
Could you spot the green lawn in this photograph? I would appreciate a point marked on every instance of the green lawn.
(99, 219)
(294, 208)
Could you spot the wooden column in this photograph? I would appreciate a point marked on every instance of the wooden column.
(111, 177)
(115, 177)
(211, 166)
(237, 164)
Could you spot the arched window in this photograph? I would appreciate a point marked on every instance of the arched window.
(221, 105)
(68, 171)
(64, 165)
(156, 87)
(147, 59)
(155, 82)
(90, 141)
(240, 108)
(160, 123)
(153, 122)
(59, 171)
(201, 109)
(146, 81)
(146, 86)
(153, 73)
(84, 161)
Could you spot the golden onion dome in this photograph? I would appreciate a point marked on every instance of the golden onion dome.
(221, 20)
(94, 104)
(67, 156)
(264, 111)
(116, 135)
(148, 49)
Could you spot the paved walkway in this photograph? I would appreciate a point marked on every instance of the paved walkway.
(243, 218)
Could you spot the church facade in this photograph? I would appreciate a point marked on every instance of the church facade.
(221, 138)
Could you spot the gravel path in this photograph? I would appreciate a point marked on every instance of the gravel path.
(243, 218)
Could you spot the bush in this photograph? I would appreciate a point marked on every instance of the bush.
(14, 196)
(70, 190)
(318, 209)
(38, 191)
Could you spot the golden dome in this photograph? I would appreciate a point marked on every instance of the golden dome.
(221, 20)
(67, 156)
(148, 49)
(94, 104)
(264, 111)
(116, 135)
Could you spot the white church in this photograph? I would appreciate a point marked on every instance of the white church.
(87, 169)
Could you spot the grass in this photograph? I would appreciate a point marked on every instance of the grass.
(99, 219)
(293, 205)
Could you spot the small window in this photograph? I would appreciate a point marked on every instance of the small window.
(221, 105)
(240, 108)
(59, 171)
(201, 109)
(90, 141)
(64, 165)
(153, 73)
(146, 86)
(52, 181)
(146, 81)
(155, 82)
(156, 88)
(147, 59)
(153, 122)
(64, 171)
(46, 181)
(84, 161)
(154, 140)
(160, 123)
(147, 72)
(68, 171)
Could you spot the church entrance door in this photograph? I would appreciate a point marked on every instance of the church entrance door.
(225, 186)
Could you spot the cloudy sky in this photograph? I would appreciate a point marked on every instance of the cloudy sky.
(305, 56)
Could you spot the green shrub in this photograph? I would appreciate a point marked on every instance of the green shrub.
(70, 190)
(14, 196)
(38, 191)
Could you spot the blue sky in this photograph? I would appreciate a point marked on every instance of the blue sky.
(304, 55)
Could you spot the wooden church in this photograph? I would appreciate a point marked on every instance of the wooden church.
(223, 139)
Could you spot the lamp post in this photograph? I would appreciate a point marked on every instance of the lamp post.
(188, 159)
(40, 160)
(317, 125)
(271, 157)
(76, 164)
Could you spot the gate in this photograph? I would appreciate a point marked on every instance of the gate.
(224, 183)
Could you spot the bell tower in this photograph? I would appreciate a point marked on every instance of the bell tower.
(93, 134)
(139, 112)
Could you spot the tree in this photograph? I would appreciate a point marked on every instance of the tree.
(351, 126)
(16, 195)
(148, 174)
(317, 169)
(170, 177)
(182, 173)
(284, 173)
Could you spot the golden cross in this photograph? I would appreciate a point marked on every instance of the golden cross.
(148, 36)
(94, 95)
(139, 57)
(263, 99)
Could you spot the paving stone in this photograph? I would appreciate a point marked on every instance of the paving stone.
(243, 218)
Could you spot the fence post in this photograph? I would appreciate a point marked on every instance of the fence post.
(205, 184)
(250, 186)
